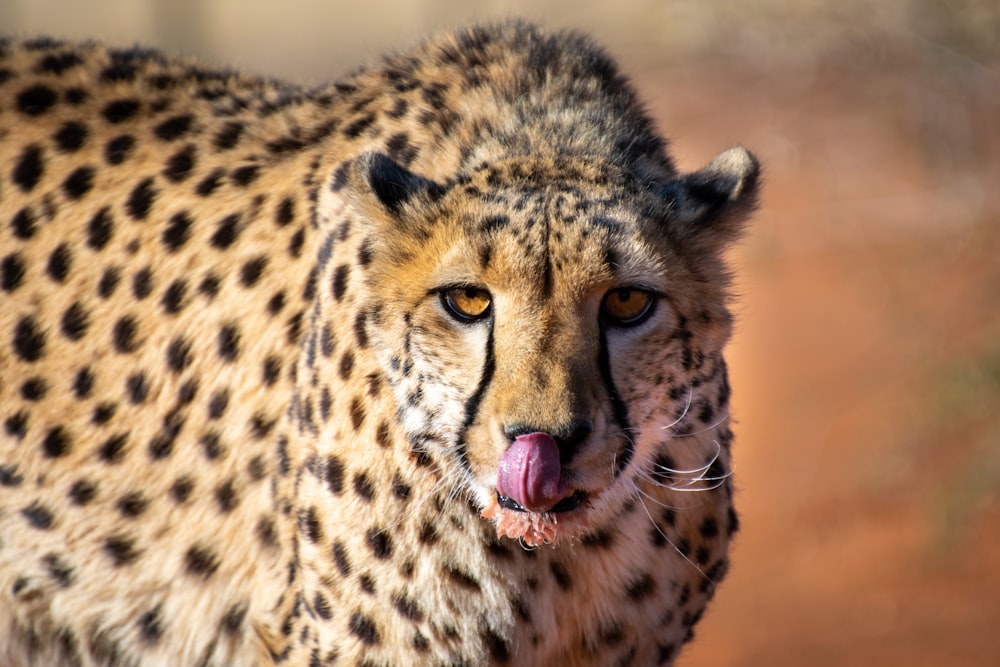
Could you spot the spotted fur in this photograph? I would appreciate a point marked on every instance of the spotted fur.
(239, 424)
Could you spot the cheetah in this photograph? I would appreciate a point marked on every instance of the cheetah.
(424, 367)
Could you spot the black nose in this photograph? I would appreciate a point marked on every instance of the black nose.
(568, 437)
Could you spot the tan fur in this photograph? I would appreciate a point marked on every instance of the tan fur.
(238, 425)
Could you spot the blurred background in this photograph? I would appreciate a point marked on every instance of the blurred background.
(866, 364)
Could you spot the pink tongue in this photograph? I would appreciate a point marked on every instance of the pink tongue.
(529, 472)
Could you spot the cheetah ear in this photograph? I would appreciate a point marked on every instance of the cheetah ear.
(377, 178)
(707, 208)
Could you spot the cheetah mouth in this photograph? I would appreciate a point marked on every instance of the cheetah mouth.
(565, 520)
(567, 504)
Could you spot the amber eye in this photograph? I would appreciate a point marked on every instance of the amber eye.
(466, 304)
(627, 307)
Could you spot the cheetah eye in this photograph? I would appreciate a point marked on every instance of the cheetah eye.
(627, 307)
(466, 304)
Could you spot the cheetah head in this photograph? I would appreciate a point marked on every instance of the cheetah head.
(543, 321)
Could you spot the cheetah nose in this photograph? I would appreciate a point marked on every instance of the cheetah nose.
(529, 472)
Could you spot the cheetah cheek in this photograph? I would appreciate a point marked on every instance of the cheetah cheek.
(529, 472)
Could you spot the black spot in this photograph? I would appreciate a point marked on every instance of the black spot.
(363, 487)
(228, 136)
(251, 271)
(173, 296)
(120, 111)
(218, 403)
(109, 281)
(137, 387)
(294, 328)
(346, 365)
(178, 231)
(201, 561)
(121, 549)
(123, 334)
(75, 321)
(59, 570)
(181, 489)
(118, 149)
(296, 242)
(132, 504)
(309, 524)
(142, 283)
(640, 588)
(210, 183)
(358, 126)
(340, 559)
(57, 63)
(103, 413)
(226, 496)
(612, 633)
(561, 576)
(24, 223)
(322, 606)
(380, 543)
(60, 262)
(227, 231)
(82, 492)
(10, 477)
(244, 176)
(162, 444)
(276, 303)
(36, 100)
(71, 136)
(602, 539)
(272, 370)
(29, 168)
(99, 229)
(210, 285)
(12, 270)
(212, 445)
(364, 629)
(499, 649)
(357, 413)
(83, 382)
(180, 164)
(461, 577)
(141, 200)
(76, 96)
(284, 213)
(38, 516)
(29, 339)
(150, 626)
(113, 449)
(339, 284)
(178, 354)
(16, 425)
(174, 128)
(232, 621)
(34, 389)
(709, 527)
(229, 342)
(79, 182)
(407, 607)
(118, 71)
(335, 475)
(261, 426)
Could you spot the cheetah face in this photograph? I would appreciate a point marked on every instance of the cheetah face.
(540, 317)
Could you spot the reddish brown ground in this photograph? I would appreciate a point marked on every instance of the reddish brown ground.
(866, 367)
